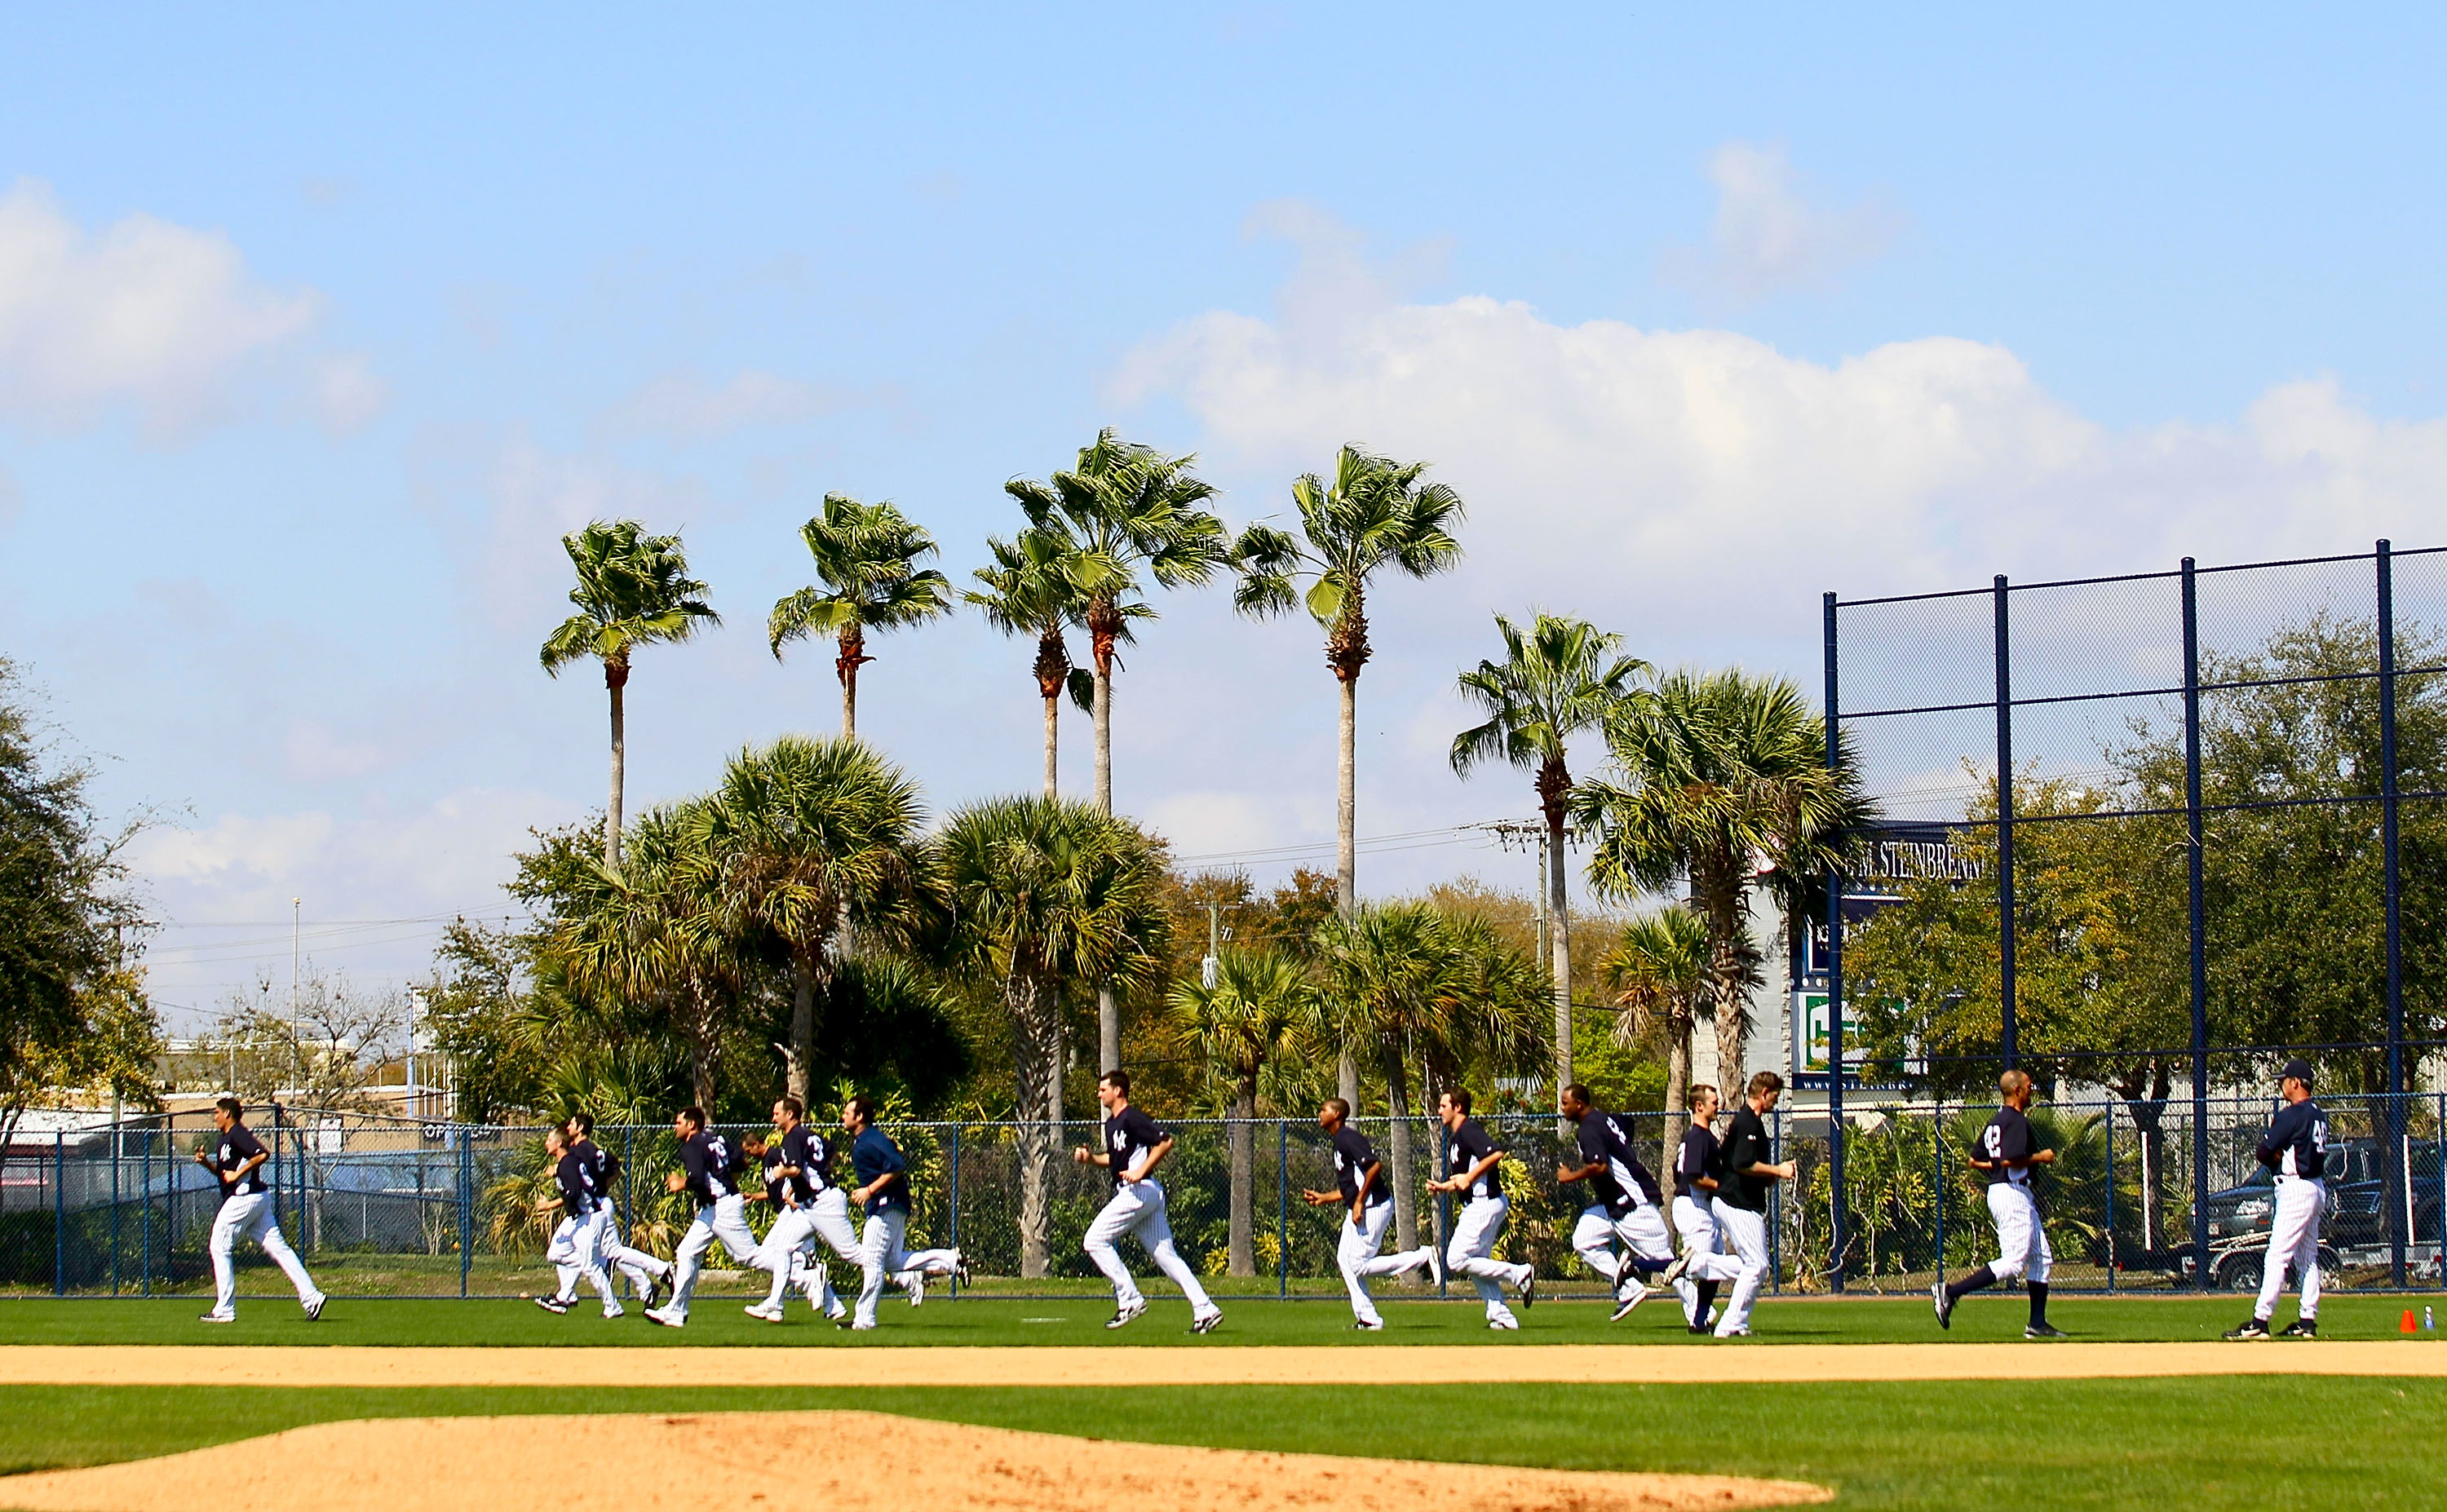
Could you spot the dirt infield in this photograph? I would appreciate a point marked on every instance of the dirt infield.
(1287, 1365)
(724, 1458)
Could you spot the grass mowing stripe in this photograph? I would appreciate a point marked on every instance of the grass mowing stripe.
(2206, 1443)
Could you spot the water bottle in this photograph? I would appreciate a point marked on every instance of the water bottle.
(2427, 1323)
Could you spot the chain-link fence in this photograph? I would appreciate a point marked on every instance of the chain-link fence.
(384, 1208)
(2146, 837)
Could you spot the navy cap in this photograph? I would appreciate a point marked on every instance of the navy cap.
(2297, 1070)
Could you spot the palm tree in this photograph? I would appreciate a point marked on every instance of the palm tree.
(1029, 591)
(867, 556)
(1561, 677)
(1125, 508)
(1659, 973)
(633, 589)
(1047, 895)
(1256, 1013)
(803, 838)
(1426, 994)
(1374, 514)
(1713, 773)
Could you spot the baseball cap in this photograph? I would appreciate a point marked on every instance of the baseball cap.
(2297, 1070)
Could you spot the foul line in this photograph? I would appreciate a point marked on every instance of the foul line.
(1291, 1365)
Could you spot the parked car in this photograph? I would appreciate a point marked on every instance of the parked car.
(2354, 1229)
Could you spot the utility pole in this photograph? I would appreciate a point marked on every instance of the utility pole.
(1213, 965)
(296, 935)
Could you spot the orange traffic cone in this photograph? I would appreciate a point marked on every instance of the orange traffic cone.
(2408, 1326)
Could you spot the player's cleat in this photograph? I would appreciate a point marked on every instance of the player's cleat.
(1700, 1329)
(1674, 1271)
(666, 1318)
(1124, 1314)
(758, 1310)
(653, 1294)
(314, 1306)
(1624, 1304)
(616, 1310)
(961, 1273)
(2302, 1328)
(1207, 1324)
(1504, 1324)
(1369, 1325)
(2044, 1331)
(218, 1317)
(1528, 1289)
(917, 1280)
(1944, 1301)
(1742, 1332)
(1436, 1265)
(2251, 1328)
(862, 1328)
(552, 1304)
(841, 1319)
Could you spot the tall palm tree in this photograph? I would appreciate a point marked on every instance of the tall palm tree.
(633, 589)
(1374, 514)
(1711, 775)
(1426, 994)
(1027, 591)
(1046, 895)
(1560, 677)
(1255, 1013)
(1658, 974)
(650, 935)
(801, 839)
(1124, 509)
(866, 556)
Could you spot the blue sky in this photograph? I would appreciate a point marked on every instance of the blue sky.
(317, 329)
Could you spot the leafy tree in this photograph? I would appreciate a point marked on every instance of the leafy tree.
(1260, 1008)
(1658, 972)
(1560, 677)
(1710, 771)
(1124, 509)
(1046, 895)
(319, 1043)
(633, 590)
(1029, 591)
(866, 558)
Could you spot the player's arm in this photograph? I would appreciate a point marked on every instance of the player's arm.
(1319, 1199)
(1088, 1156)
(675, 1181)
(1483, 1165)
(1154, 1158)
(1567, 1174)
(249, 1164)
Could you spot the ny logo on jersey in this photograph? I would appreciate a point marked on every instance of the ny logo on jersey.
(1120, 1141)
(1342, 1162)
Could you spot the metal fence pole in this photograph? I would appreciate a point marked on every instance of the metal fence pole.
(2007, 1045)
(2393, 883)
(953, 1186)
(1776, 1212)
(1937, 1144)
(2110, 1198)
(467, 1207)
(2199, 926)
(1282, 1208)
(144, 1226)
(114, 1208)
(1837, 1237)
(59, 1213)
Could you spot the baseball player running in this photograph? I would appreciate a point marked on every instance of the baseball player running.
(1368, 1208)
(1623, 1205)
(1704, 1266)
(883, 1195)
(787, 1252)
(1134, 1146)
(2296, 1149)
(1470, 1172)
(236, 1160)
(2006, 1153)
(1745, 1175)
(575, 1250)
(710, 1173)
(645, 1272)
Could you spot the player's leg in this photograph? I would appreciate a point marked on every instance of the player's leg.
(1120, 1214)
(2307, 1254)
(2010, 1212)
(1473, 1254)
(779, 1256)
(2287, 1221)
(561, 1253)
(1705, 1266)
(264, 1228)
(223, 1247)
(1355, 1254)
(1401, 1262)
(1647, 1250)
(875, 1248)
(1155, 1231)
(688, 1262)
(730, 1226)
(1745, 1232)
(1593, 1241)
(594, 1237)
(2039, 1263)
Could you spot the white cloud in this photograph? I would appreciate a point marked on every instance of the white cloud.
(531, 497)
(1768, 239)
(12, 499)
(313, 751)
(144, 312)
(1214, 822)
(348, 393)
(682, 405)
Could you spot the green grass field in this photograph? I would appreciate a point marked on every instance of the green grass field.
(2200, 1443)
(1080, 1320)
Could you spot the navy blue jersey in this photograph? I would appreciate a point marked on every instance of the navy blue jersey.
(237, 1146)
(1695, 1159)
(777, 1186)
(2006, 1147)
(802, 1150)
(1352, 1156)
(1597, 1150)
(1629, 1173)
(1746, 1145)
(1465, 1147)
(712, 1170)
(1129, 1135)
(574, 1175)
(878, 1161)
(2297, 1142)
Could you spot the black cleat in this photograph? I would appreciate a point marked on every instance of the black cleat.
(1944, 1301)
(552, 1304)
(1530, 1291)
(2044, 1331)
(2252, 1329)
(2302, 1328)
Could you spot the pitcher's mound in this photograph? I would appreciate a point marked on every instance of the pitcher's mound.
(765, 1461)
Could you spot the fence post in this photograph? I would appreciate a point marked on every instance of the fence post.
(953, 1187)
(146, 1226)
(1837, 1235)
(2110, 1198)
(59, 1213)
(2199, 926)
(2397, 1149)
(114, 1207)
(1283, 1209)
(1776, 1212)
(2008, 1046)
(466, 1208)
(1937, 1143)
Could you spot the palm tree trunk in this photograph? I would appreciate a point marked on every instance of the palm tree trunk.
(803, 1028)
(1240, 1254)
(1559, 947)
(1678, 1088)
(1346, 852)
(1038, 1056)
(853, 654)
(1397, 1097)
(1109, 1013)
(1053, 744)
(616, 679)
(701, 1046)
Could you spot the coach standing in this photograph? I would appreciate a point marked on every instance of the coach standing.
(2296, 1149)
(237, 1158)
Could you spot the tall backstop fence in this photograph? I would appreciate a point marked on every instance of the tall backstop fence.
(2148, 837)
(379, 1207)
